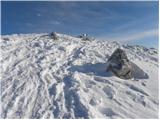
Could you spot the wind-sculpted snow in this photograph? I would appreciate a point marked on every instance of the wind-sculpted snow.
(67, 78)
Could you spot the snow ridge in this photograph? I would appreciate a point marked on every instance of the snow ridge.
(66, 78)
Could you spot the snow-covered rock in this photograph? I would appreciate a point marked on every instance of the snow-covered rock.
(119, 64)
(54, 36)
(43, 78)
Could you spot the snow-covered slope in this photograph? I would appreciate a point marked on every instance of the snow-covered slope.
(66, 78)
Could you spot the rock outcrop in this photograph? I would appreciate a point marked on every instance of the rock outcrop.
(119, 64)
(54, 35)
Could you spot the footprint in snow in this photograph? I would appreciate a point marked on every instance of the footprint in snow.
(137, 89)
(90, 84)
(109, 92)
(108, 112)
(137, 98)
(95, 101)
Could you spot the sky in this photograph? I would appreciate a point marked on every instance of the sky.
(125, 21)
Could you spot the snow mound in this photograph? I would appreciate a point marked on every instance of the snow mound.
(66, 78)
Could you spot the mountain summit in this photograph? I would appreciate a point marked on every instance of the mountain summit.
(66, 78)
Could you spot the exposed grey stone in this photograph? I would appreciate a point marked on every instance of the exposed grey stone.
(119, 64)
(54, 35)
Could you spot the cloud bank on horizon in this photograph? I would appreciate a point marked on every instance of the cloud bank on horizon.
(132, 22)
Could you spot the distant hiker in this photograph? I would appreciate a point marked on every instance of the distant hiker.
(82, 36)
(85, 37)
(119, 64)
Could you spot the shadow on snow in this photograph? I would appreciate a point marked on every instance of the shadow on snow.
(98, 69)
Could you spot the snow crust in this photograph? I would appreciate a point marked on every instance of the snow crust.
(67, 78)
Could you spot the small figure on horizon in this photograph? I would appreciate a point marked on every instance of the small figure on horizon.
(54, 35)
(85, 37)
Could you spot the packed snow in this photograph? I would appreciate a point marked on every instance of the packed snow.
(67, 78)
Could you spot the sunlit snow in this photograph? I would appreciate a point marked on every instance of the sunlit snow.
(67, 78)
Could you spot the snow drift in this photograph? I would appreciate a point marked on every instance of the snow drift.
(66, 78)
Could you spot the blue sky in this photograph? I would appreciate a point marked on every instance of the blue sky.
(127, 22)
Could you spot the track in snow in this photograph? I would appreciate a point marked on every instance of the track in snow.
(42, 78)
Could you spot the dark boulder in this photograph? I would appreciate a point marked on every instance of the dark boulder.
(54, 36)
(119, 64)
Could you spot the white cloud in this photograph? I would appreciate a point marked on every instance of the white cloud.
(55, 22)
(39, 15)
(144, 34)
(28, 24)
(132, 37)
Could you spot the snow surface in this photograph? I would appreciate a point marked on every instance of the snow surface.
(66, 78)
